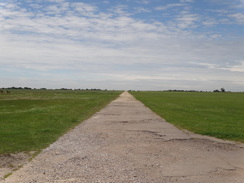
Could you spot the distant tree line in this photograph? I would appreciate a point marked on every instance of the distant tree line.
(28, 88)
(176, 90)
(216, 90)
(185, 91)
(95, 89)
(221, 90)
(17, 88)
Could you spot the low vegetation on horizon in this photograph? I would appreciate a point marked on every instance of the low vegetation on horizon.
(32, 119)
(209, 113)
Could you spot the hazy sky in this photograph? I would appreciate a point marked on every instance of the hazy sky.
(122, 44)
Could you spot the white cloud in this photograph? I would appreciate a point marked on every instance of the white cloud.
(143, 2)
(56, 1)
(83, 7)
(142, 10)
(209, 22)
(239, 17)
(237, 68)
(79, 42)
(240, 4)
(120, 10)
(186, 20)
(187, 1)
(168, 6)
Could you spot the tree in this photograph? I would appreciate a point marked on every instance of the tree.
(222, 89)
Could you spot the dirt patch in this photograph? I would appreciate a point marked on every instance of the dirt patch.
(206, 144)
(11, 162)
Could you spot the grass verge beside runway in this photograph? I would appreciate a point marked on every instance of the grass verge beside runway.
(32, 119)
(218, 114)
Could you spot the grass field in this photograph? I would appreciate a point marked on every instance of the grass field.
(32, 119)
(215, 114)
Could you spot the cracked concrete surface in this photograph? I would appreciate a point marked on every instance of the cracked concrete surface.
(126, 142)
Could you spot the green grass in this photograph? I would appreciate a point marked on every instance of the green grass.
(32, 119)
(215, 114)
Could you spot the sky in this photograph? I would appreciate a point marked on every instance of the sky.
(122, 44)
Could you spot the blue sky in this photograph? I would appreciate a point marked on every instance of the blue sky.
(126, 44)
